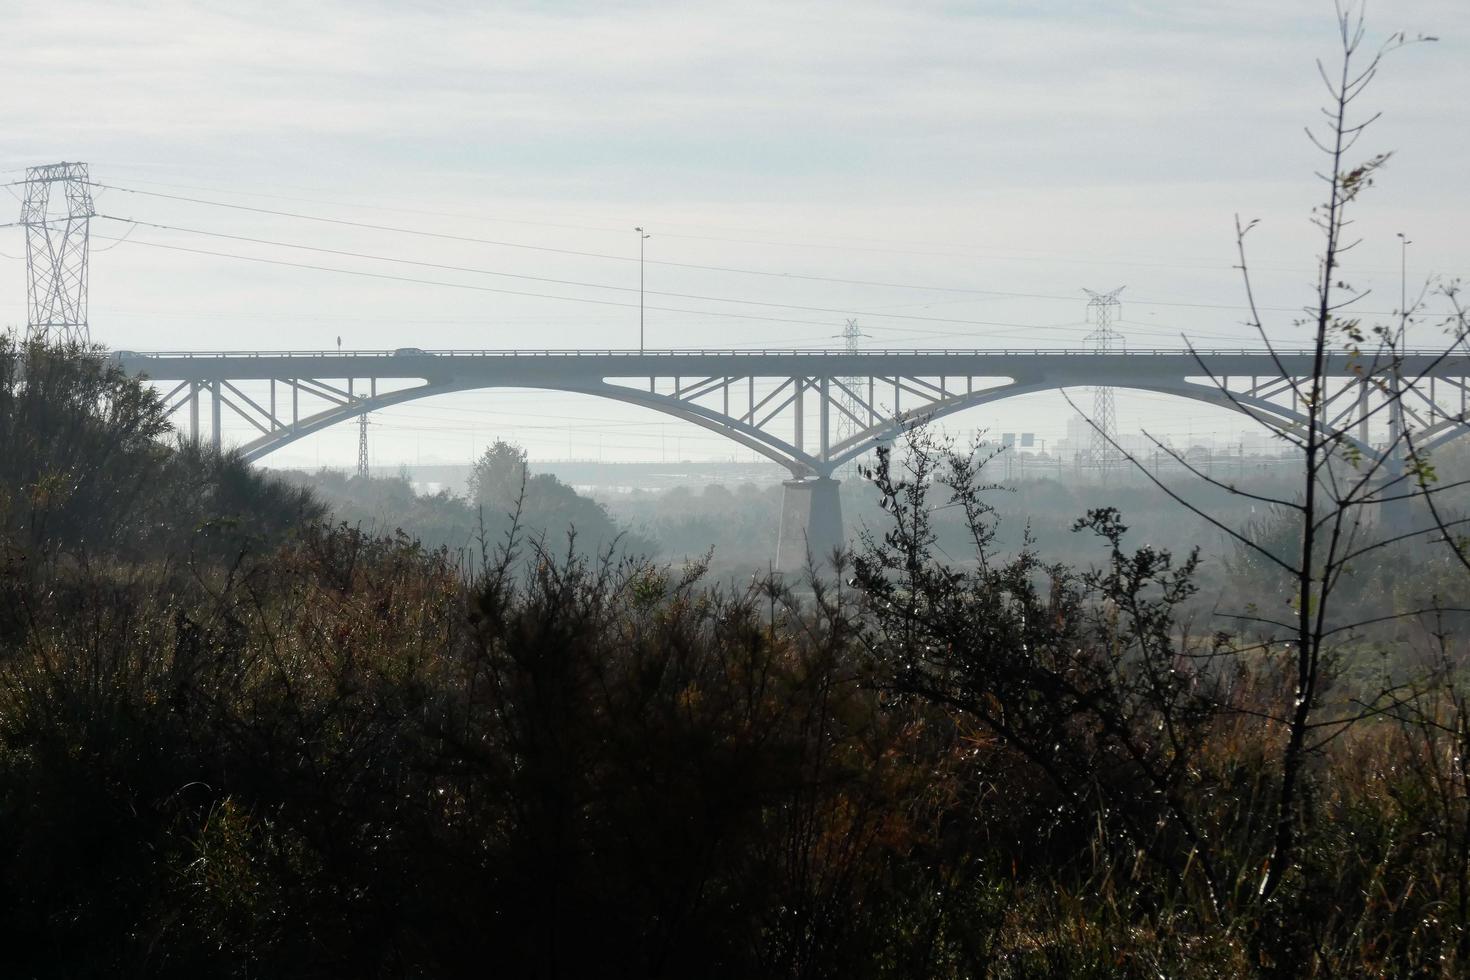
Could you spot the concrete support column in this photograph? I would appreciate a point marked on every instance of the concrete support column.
(1363, 412)
(1396, 515)
(824, 417)
(800, 412)
(811, 523)
(214, 416)
(194, 412)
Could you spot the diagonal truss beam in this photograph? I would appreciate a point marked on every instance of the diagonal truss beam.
(788, 413)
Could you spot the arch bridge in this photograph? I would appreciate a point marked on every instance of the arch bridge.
(810, 411)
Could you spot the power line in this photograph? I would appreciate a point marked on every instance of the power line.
(369, 226)
(948, 248)
(592, 285)
(559, 282)
(512, 292)
(386, 258)
(952, 248)
(452, 285)
(733, 270)
(376, 207)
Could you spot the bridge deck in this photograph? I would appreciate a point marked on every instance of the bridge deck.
(1077, 367)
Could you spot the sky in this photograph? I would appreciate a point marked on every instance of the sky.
(955, 152)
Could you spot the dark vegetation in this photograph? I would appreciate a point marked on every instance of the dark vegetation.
(236, 740)
(239, 740)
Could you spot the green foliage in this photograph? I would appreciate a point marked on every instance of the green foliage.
(497, 477)
(84, 468)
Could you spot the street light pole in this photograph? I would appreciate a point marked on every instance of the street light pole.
(1395, 511)
(1404, 244)
(642, 237)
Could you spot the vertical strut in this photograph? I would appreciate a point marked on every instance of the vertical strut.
(824, 417)
(214, 415)
(800, 415)
(194, 412)
(1363, 411)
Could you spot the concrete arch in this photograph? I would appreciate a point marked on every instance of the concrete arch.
(779, 450)
(1446, 432)
(1268, 413)
(798, 462)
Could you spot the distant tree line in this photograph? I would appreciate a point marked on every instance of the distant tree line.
(503, 491)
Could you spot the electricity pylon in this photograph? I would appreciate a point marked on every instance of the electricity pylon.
(847, 427)
(56, 214)
(362, 447)
(1104, 340)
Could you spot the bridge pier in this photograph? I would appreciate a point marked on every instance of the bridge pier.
(811, 523)
(1395, 514)
(214, 416)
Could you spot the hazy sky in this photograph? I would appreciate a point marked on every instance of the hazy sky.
(1013, 147)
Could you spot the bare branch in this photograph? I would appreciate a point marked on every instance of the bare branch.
(1208, 518)
(1227, 487)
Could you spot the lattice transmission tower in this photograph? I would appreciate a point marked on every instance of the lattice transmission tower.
(56, 214)
(847, 425)
(1102, 310)
(362, 447)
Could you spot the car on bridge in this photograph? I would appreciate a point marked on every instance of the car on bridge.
(407, 351)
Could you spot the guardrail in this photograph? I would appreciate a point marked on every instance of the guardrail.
(770, 352)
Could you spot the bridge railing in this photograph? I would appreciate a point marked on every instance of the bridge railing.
(716, 352)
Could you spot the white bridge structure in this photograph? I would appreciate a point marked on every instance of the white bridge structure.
(809, 410)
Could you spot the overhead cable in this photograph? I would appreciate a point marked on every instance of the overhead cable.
(844, 311)
(445, 236)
